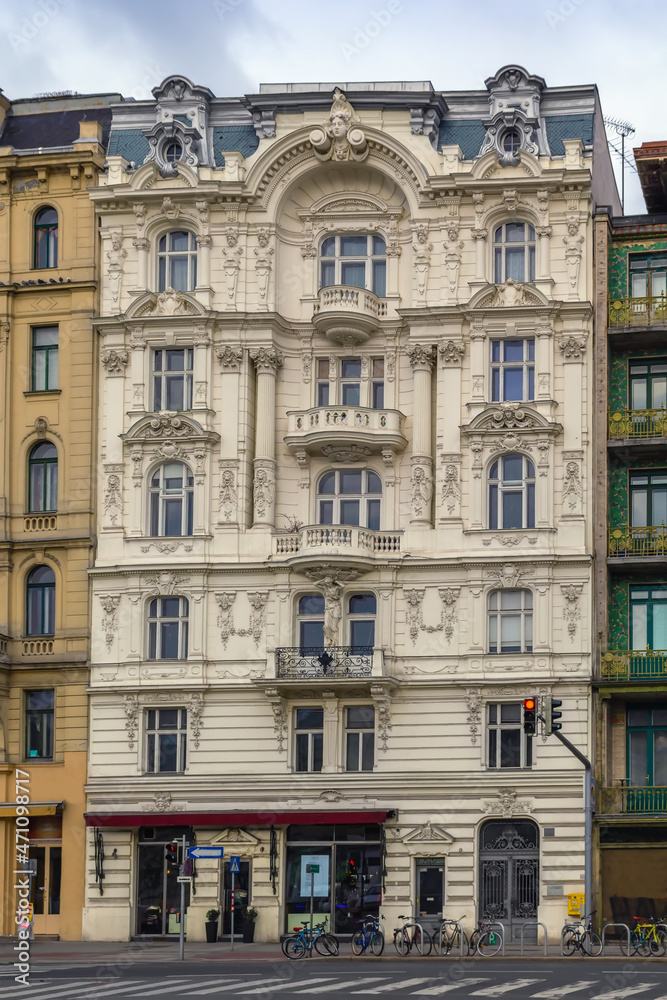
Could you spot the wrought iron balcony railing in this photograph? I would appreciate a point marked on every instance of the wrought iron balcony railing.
(299, 662)
(633, 664)
(627, 541)
(637, 424)
(650, 311)
(650, 799)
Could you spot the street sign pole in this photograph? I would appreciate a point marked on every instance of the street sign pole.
(181, 942)
(312, 894)
(233, 877)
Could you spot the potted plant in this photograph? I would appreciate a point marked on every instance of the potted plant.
(212, 926)
(250, 915)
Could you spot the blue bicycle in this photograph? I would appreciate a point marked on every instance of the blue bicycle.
(369, 936)
(305, 939)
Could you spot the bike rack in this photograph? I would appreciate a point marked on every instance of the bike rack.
(567, 927)
(454, 923)
(627, 931)
(498, 923)
(537, 924)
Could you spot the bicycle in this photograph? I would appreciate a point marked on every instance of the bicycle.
(368, 936)
(484, 940)
(581, 937)
(411, 935)
(647, 938)
(448, 938)
(305, 939)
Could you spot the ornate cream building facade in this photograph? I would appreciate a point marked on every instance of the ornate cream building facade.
(344, 524)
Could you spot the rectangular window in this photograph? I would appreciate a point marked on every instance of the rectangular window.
(648, 618)
(166, 740)
(172, 379)
(507, 746)
(512, 370)
(648, 276)
(44, 358)
(39, 724)
(359, 738)
(648, 385)
(377, 384)
(323, 382)
(350, 381)
(511, 621)
(309, 739)
(648, 499)
(647, 745)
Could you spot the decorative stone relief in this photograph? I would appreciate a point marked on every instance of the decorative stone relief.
(257, 600)
(267, 360)
(264, 491)
(571, 611)
(228, 496)
(279, 719)
(165, 425)
(110, 604)
(573, 254)
(451, 490)
(346, 453)
(452, 353)
(113, 497)
(510, 575)
(162, 803)
(509, 294)
(114, 362)
(195, 711)
(422, 356)
(309, 250)
(168, 303)
(263, 262)
(474, 705)
(573, 491)
(116, 255)
(421, 259)
(131, 706)
(382, 703)
(341, 137)
(507, 804)
(166, 548)
(452, 259)
(572, 348)
(231, 264)
(226, 616)
(164, 583)
(413, 599)
(429, 832)
(448, 613)
(230, 358)
(421, 491)
(507, 415)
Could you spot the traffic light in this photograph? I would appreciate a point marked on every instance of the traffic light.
(551, 715)
(171, 854)
(529, 710)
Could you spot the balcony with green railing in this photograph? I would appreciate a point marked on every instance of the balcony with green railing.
(628, 541)
(638, 312)
(636, 425)
(633, 665)
(623, 800)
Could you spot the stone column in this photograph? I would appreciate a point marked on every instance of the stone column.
(449, 488)
(422, 357)
(543, 361)
(479, 236)
(203, 261)
(141, 246)
(267, 361)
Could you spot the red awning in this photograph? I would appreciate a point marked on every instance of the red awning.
(231, 818)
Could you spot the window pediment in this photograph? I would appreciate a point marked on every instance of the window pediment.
(508, 295)
(511, 416)
(168, 425)
(167, 303)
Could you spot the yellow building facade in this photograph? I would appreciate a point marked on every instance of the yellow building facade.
(51, 152)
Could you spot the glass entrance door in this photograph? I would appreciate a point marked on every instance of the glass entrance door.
(241, 897)
(46, 866)
(158, 891)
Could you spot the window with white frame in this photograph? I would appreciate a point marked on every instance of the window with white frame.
(166, 740)
(352, 389)
(308, 739)
(168, 628)
(514, 252)
(177, 261)
(359, 738)
(512, 370)
(359, 261)
(510, 621)
(350, 496)
(512, 493)
(361, 611)
(171, 496)
(310, 621)
(172, 378)
(507, 745)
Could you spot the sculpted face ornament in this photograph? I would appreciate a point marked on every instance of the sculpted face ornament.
(341, 137)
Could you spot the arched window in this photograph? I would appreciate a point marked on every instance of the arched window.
(514, 252)
(171, 498)
(43, 477)
(512, 493)
(362, 609)
(177, 261)
(40, 602)
(350, 496)
(168, 628)
(359, 261)
(510, 621)
(311, 621)
(173, 152)
(46, 238)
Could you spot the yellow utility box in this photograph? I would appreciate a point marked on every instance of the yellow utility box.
(575, 904)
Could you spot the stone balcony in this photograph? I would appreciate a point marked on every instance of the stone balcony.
(348, 315)
(337, 429)
(337, 545)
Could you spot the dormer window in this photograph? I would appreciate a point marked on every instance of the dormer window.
(173, 152)
(511, 141)
(356, 261)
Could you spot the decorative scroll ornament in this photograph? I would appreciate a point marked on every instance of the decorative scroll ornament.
(264, 491)
(452, 247)
(452, 353)
(421, 259)
(507, 804)
(382, 703)
(267, 360)
(422, 357)
(341, 137)
(510, 415)
(257, 600)
(164, 583)
(573, 491)
(164, 425)
(162, 803)
(573, 254)
(474, 704)
(230, 358)
(131, 706)
(113, 498)
(115, 361)
(509, 294)
(448, 613)
(116, 255)
(168, 303)
(571, 611)
(279, 723)
(196, 710)
(228, 498)
(572, 348)
(451, 490)
(421, 491)
(510, 575)
(109, 621)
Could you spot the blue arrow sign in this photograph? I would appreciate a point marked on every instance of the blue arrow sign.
(206, 852)
(235, 864)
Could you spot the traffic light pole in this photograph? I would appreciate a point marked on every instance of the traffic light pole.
(588, 806)
(181, 941)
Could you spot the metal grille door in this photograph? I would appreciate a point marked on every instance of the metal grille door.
(509, 873)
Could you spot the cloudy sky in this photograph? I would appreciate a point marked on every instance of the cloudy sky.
(233, 45)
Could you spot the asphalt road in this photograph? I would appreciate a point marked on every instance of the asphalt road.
(581, 979)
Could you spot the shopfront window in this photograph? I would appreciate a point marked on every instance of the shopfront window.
(349, 882)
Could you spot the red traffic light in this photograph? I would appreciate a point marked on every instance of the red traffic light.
(529, 703)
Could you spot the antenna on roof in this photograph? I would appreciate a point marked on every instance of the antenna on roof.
(623, 129)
